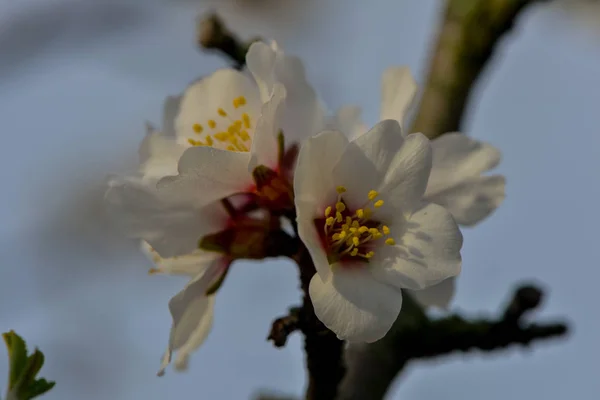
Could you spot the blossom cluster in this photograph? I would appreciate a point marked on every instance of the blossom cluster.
(377, 209)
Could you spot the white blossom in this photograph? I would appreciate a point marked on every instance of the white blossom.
(192, 308)
(458, 164)
(361, 214)
(233, 120)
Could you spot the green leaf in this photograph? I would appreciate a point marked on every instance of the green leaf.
(17, 356)
(23, 369)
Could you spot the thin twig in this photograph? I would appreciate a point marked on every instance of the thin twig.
(214, 35)
(422, 337)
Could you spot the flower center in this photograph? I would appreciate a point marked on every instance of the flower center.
(352, 235)
(231, 130)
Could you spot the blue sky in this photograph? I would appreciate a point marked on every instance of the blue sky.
(78, 79)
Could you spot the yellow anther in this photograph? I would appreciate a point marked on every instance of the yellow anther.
(338, 216)
(212, 123)
(355, 224)
(246, 119)
(377, 235)
(340, 189)
(367, 213)
(209, 141)
(339, 206)
(370, 254)
(328, 211)
(355, 241)
(244, 135)
(373, 194)
(221, 136)
(231, 148)
(336, 236)
(232, 130)
(363, 229)
(385, 230)
(222, 112)
(242, 101)
(352, 230)
(354, 252)
(197, 128)
(345, 227)
(390, 241)
(195, 142)
(348, 221)
(378, 203)
(360, 213)
(343, 234)
(329, 221)
(373, 231)
(349, 242)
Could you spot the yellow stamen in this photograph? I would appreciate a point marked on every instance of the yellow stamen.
(373, 194)
(222, 112)
(221, 136)
(328, 211)
(378, 203)
(209, 141)
(354, 252)
(329, 221)
(386, 230)
(355, 241)
(348, 221)
(212, 123)
(342, 234)
(370, 254)
(244, 135)
(197, 128)
(246, 119)
(363, 229)
(355, 224)
(338, 216)
(231, 148)
(340, 189)
(390, 241)
(339, 206)
(360, 213)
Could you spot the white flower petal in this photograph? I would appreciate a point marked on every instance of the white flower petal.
(201, 101)
(159, 155)
(354, 305)
(473, 199)
(206, 175)
(427, 253)
(317, 158)
(193, 264)
(260, 61)
(398, 89)
(265, 150)
(407, 174)
(348, 120)
(304, 114)
(315, 190)
(170, 228)
(381, 144)
(456, 158)
(439, 295)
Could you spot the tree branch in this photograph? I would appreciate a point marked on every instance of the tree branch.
(469, 33)
(214, 35)
(373, 367)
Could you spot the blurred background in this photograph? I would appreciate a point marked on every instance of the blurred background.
(78, 79)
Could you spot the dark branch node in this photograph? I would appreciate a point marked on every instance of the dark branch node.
(214, 35)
